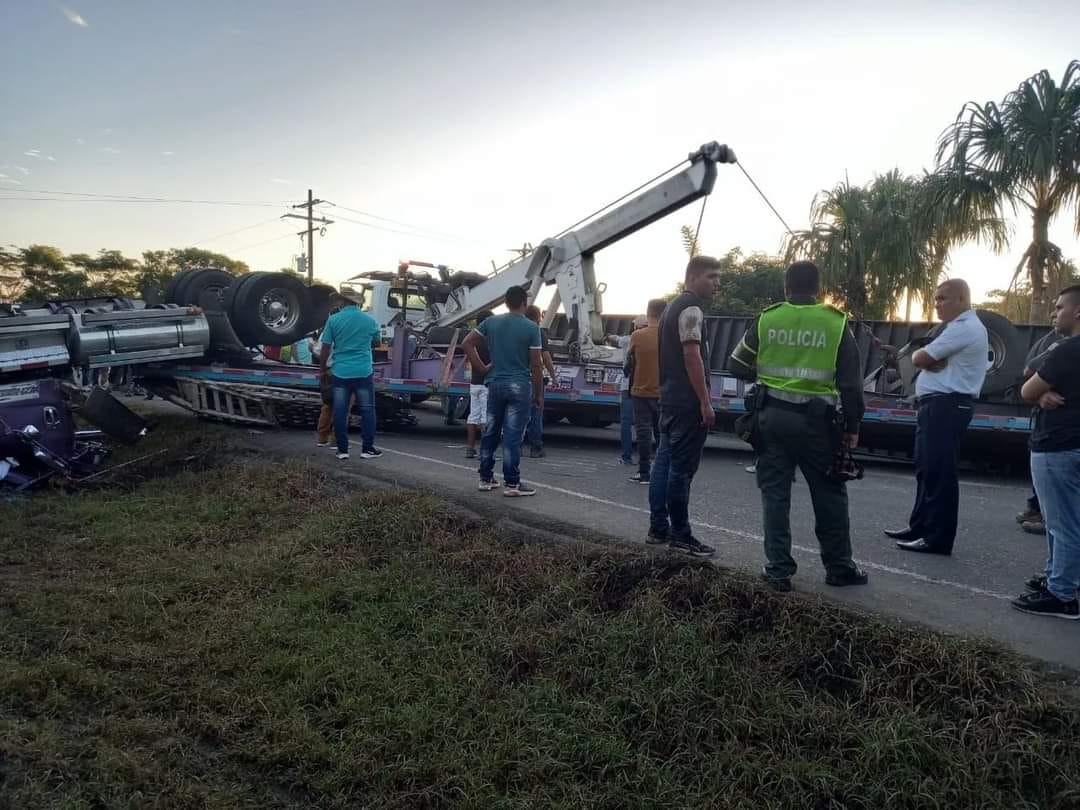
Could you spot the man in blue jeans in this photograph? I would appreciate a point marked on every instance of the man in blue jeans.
(350, 335)
(1055, 466)
(686, 413)
(515, 383)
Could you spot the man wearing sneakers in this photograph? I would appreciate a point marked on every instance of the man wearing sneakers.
(478, 394)
(515, 383)
(644, 353)
(1055, 466)
(350, 335)
(686, 412)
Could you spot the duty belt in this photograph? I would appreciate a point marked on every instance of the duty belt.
(799, 399)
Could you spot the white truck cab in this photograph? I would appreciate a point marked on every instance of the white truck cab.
(383, 302)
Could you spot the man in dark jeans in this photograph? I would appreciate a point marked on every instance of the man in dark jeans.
(514, 382)
(350, 335)
(686, 413)
(1055, 466)
(644, 355)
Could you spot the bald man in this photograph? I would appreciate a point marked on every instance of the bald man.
(952, 370)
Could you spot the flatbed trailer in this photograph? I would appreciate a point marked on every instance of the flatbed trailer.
(587, 393)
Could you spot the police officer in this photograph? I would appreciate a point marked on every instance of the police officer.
(806, 358)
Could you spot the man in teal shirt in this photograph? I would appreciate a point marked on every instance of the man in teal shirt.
(350, 335)
(514, 382)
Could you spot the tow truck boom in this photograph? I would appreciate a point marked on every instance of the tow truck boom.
(567, 260)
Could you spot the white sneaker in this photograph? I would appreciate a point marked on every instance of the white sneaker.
(487, 486)
(322, 444)
(520, 491)
(343, 456)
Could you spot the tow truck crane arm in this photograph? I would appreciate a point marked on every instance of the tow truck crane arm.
(567, 260)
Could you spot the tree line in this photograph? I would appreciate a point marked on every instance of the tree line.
(41, 273)
(889, 240)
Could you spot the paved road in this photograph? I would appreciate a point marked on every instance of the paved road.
(580, 482)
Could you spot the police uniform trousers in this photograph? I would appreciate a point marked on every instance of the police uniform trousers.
(791, 438)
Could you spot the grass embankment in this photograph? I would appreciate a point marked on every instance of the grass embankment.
(257, 634)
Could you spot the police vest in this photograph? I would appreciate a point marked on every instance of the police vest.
(797, 349)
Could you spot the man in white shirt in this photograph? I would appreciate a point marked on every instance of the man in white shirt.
(953, 368)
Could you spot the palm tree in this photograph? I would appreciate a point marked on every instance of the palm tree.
(1024, 153)
(867, 242)
(953, 209)
(835, 243)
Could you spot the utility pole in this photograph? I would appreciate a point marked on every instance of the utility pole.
(310, 232)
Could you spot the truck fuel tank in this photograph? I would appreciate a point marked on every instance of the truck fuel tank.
(102, 338)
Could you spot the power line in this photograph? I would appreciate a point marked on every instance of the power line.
(378, 227)
(80, 195)
(419, 229)
(145, 202)
(238, 230)
(264, 242)
(132, 196)
(419, 234)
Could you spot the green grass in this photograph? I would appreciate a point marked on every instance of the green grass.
(204, 633)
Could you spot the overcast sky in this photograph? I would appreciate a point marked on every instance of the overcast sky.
(481, 126)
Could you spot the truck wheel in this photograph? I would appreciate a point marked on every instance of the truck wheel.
(1007, 353)
(172, 289)
(229, 296)
(268, 308)
(203, 287)
(319, 294)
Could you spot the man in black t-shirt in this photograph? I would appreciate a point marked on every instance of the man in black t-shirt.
(1031, 519)
(1055, 466)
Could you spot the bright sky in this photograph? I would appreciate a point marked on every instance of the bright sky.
(483, 125)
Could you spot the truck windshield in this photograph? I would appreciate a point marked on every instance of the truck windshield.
(413, 300)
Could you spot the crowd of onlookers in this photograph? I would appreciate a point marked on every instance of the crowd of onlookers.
(811, 408)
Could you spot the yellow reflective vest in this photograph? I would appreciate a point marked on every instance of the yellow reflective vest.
(797, 349)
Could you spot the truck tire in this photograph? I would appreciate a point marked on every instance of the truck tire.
(270, 309)
(229, 296)
(173, 287)
(1008, 350)
(319, 294)
(202, 287)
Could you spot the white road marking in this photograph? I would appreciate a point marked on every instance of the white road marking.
(903, 572)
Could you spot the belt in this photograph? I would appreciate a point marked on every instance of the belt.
(795, 407)
(953, 397)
